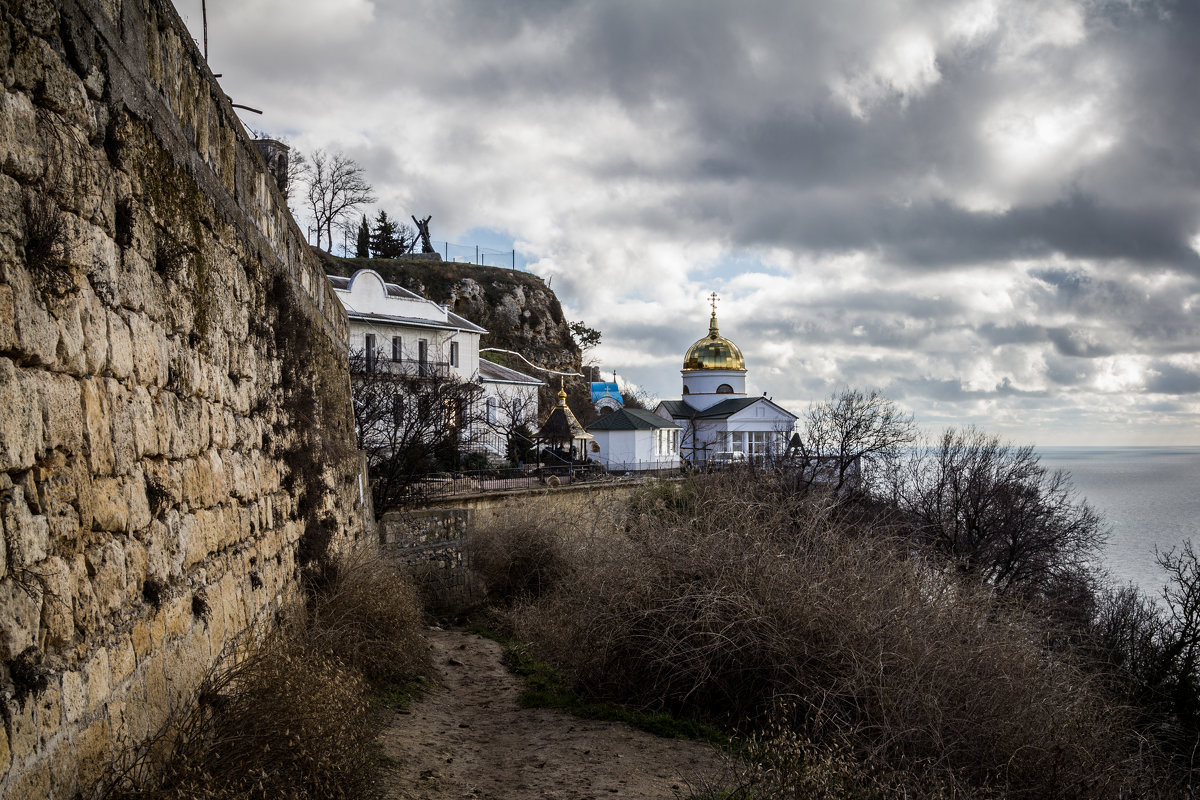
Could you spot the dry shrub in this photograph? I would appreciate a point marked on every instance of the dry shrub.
(273, 718)
(727, 597)
(364, 609)
(284, 713)
(781, 764)
(531, 548)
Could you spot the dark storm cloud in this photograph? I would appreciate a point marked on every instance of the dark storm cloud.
(1170, 379)
(775, 142)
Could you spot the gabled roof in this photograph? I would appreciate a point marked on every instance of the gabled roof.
(630, 419)
(453, 321)
(491, 371)
(678, 409)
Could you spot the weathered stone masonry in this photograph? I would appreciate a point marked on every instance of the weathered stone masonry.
(174, 402)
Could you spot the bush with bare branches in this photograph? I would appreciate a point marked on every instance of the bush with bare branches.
(365, 610)
(728, 597)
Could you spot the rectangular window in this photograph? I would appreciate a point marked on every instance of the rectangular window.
(369, 348)
(397, 410)
(423, 355)
(737, 442)
(492, 408)
(454, 354)
(758, 445)
(397, 350)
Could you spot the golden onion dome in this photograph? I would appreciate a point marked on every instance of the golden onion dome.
(714, 351)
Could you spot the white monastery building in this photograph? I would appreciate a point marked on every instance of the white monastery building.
(395, 331)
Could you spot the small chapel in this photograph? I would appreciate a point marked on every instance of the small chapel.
(714, 414)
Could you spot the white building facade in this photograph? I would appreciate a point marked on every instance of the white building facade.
(398, 332)
(631, 439)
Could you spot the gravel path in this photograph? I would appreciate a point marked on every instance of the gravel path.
(469, 738)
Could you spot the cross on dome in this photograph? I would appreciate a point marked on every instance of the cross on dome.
(712, 299)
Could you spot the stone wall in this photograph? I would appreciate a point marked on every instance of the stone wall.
(434, 541)
(175, 433)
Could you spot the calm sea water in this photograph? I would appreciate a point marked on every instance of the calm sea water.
(1149, 496)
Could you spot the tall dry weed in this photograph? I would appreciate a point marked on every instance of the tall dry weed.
(531, 548)
(273, 718)
(366, 611)
(727, 597)
(284, 712)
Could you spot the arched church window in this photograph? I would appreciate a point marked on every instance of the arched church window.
(686, 390)
(724, 388)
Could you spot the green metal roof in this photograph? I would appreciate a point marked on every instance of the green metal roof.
(630, 419)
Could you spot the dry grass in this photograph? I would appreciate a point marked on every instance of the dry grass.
(726, 598)
(274, 718)
(529, 549)
(365, 610)
(285, 712)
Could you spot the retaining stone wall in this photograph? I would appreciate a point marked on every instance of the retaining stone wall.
(175, 428)
(433, 541)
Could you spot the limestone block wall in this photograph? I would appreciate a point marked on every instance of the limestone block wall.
(175, 429)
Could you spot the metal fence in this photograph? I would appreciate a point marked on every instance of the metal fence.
(445, 484)
(480, 255)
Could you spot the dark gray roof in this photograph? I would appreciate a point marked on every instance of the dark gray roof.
(491, 371)
(453, 321)
(561, 425)
(630, 419)
(678, 409)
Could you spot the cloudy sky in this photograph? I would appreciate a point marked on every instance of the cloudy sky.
(987, 209)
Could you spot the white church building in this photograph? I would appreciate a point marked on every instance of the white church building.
(715, 414)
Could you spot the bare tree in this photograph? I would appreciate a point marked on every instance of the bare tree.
(409, 423)
(846, 437)
(998, 513)
(1151, 650)
(336, 186)
(508, 419)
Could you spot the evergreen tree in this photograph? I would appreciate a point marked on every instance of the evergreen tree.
(385, 243)
(363, 248)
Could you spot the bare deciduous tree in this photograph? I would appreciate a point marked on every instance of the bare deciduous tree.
(998, 513)
(848, 433)
(336, 186)
(409, 423)
(508, 418)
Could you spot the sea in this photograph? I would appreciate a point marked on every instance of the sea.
(1148, 496)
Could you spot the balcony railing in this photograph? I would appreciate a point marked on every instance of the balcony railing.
(414, 367)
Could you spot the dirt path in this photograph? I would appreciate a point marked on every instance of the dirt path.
(469, 738)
